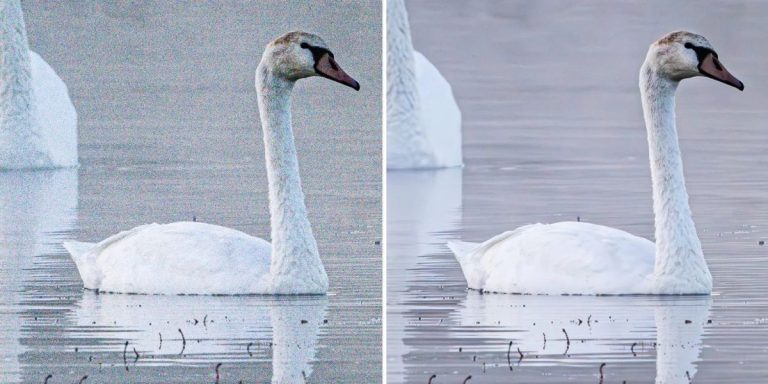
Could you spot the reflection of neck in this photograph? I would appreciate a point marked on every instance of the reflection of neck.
(295, 328)
(403, 129)
(678, 347)
(296, 262)
(17, 127)
(680, 265)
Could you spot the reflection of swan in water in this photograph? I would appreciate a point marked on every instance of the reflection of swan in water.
(615, 323)
(35, 207)
(227, 327)
(421, 205)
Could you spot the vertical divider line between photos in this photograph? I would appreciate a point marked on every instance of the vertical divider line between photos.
(384, 241)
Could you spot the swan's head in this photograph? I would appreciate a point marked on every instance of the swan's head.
(296, 55)
(680, 55)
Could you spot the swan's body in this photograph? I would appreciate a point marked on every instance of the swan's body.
(423, 119)
(577, 257)
(582, 258)
(160, 259)
(38, 123)
(197, 258)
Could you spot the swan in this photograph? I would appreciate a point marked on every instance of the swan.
(584, 258)
(423, 120)
(199, 258)
(38, 123)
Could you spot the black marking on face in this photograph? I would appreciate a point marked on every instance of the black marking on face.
(701, 52)
(317, 53)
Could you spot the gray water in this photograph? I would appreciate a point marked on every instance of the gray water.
(553, 131)
(169, 131)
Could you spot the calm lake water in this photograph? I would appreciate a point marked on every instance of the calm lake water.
(169, 131)
(553, 130)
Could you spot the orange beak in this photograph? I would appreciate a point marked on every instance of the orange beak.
(328, 68)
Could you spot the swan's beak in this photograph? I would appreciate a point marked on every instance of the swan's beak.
(327, 67)
(713, 68)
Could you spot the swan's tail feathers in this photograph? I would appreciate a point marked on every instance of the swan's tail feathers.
(462, 248)
(80, 253)
(463, 251)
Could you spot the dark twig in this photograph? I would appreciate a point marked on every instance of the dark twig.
(521, 355)
(82, 379)
(430, 379)
(545, 341)
(567, 341)
(46, 378)
(509, 361)
(217, 372)
(688, 375)
(183, 342)
(248, 349)
(125, 360)
(137, 355)
(601, 372)
(632, 349)
(467, 379)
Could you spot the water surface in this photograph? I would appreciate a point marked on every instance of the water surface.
(553, 131)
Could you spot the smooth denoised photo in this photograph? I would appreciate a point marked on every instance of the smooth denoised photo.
(541, 226)
(191, 192)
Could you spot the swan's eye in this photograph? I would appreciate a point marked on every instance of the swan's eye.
(701, 52)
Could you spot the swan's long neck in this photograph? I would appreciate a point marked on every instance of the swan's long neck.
(296, 266)
(18, 134)
(680, 266)
(404, 135)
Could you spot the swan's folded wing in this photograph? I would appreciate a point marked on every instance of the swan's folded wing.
(180, 258)
(564, 258)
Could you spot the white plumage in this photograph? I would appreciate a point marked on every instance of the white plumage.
(38, 123)
(560, 258)
(423, 119)
(176, 258)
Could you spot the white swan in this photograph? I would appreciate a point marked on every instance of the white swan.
(197, 258)
(423, 120)
(38, 123)
(581, 258)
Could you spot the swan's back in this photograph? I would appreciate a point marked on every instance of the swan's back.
(176, 258)
(560, 258)
(55, 115)
(440, 114)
